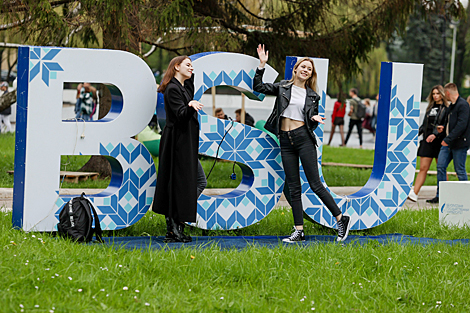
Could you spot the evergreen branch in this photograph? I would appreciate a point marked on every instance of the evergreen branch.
(15, 24)
(18, 6)
(252, 14)
(175, 50)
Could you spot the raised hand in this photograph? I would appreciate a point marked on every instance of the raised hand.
(263, 55)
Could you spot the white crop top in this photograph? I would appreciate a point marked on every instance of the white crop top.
(295, 109)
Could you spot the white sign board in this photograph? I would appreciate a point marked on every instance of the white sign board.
(454, 207)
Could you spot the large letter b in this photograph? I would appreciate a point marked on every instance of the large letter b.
(42, 137)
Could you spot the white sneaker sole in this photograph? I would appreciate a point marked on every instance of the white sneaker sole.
(288, 241)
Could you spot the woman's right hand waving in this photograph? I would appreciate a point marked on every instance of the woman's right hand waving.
(263, 55)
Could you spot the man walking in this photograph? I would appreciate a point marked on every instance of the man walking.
(354, 120)
(457, 140)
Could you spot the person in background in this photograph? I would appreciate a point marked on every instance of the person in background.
(249, 120)
(85, 106)
(181, 178)
(373, 120)
(5, 114)
(219, 113)
(337, 118)
(430, 145)
(354, 119)
(367, 122)
(455, 144)
(293, 120)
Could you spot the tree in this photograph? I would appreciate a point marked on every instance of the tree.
(422, 43)
(343, 31)
(462, 59)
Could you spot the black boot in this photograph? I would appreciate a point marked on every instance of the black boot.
(186, 238)
(175, 231)
(170, 235)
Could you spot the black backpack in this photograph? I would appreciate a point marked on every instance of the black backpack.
(76, 220)
(360, 109)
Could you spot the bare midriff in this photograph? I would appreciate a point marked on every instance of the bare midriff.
(287, 124)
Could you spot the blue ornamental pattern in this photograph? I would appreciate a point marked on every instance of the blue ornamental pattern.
(39, 63)
(378, 204)
(257, 154)
(263, 176)
(130, 193)
(241, 78)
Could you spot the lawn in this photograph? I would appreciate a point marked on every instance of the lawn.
(220, 177)
(41, 273)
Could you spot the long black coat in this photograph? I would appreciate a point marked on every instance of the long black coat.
(176, 191)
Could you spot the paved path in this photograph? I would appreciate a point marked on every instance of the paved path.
(427, 192)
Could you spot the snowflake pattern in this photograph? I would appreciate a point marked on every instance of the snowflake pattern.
(38, 64)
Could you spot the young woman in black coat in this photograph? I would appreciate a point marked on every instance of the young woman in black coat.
(294, 117)
(181, 178)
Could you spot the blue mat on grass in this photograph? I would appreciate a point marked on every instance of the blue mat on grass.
(241, 242)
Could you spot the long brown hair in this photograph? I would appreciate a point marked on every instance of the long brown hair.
(430, 98)
(312, 80)
(171, 71)
(341, 98)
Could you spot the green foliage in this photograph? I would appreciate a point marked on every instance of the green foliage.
(367, 80)
(422, 43)
(343, 31)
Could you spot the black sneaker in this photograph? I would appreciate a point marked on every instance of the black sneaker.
(343, 228)
(297, 235)
(433, 200)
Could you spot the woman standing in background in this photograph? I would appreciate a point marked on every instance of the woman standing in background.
(430, 145)
(337, 118)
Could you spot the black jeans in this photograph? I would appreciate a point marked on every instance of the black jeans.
(358, 124)
(297, 144)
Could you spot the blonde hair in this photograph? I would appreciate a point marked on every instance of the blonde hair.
(430, 98)
(312, 80)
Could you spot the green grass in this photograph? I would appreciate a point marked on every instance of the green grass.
(38, 269)
(220, 176)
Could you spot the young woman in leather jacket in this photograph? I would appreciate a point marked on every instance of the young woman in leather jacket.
(293, 120)
(429, 147)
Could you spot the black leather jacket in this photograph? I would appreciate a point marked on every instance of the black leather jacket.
(441, 120)
(282, 91)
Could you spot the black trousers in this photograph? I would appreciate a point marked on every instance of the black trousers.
(358, 124)
(297, 144)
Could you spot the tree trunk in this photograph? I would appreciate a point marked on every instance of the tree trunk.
(459, 66)
(7, 100)
(113, 39)
(98, 163)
